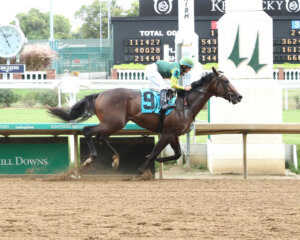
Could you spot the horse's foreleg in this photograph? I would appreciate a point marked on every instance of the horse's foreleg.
(175, 144)
(164, 140)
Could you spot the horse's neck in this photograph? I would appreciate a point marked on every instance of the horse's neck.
(198, 100)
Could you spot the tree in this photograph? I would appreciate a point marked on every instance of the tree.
(89, 14)
(134, 9)
(36, 25)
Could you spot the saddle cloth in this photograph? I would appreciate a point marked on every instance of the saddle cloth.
(150, 102)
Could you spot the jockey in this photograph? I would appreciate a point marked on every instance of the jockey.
(156, 73)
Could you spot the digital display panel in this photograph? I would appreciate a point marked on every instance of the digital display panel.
(142, 39)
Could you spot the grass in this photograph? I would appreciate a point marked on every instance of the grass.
(29, 115)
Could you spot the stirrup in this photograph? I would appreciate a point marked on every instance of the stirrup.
(166, 107)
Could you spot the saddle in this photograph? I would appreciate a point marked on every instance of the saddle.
(150, 103)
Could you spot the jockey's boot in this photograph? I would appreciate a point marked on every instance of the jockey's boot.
(164, 100)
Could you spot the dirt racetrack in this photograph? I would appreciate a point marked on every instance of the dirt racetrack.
(157, 209)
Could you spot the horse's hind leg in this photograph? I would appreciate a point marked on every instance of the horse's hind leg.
(164, 140)
(88, 132)
(102, 131)
(116, 158)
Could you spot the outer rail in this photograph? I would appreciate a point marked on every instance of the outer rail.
(55, 129)
(75, 129)
(245, 129)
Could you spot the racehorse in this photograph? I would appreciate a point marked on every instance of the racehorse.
(114, 108)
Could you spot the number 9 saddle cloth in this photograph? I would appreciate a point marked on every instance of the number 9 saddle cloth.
(150, 102)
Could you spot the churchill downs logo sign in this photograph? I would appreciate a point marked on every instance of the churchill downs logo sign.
(163, 6)
(235, 57)
(292, 6)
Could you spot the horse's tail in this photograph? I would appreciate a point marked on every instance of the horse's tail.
(80, 112)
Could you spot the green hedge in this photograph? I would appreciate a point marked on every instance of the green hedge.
(8, 97)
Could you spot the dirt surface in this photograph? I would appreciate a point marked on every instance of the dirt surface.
(111, 208)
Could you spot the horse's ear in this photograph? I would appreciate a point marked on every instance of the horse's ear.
(215, 71)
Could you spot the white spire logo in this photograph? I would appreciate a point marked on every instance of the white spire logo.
(292, 5)
(163, 6)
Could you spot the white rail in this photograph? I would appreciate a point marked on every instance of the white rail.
(38, 75)
(131, 75)
(289, 74)
(127, 79)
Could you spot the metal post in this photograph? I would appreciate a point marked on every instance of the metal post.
(59, 96)
(7, 76)
(295, 159)
(76, 165)
(51, 39)
(161, 165)
(188, 150)
(108, 22)
(161, 170)
(245, 155)
(100, 34)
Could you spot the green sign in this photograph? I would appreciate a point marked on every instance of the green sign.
(56, 126)
(26, 155)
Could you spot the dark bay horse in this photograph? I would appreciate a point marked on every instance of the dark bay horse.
(114, 108)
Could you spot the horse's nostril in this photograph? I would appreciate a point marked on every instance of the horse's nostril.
(240, 97)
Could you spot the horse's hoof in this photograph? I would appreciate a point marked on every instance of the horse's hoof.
(115, 163)
(145, 176)
(140, 171)
(87, 162)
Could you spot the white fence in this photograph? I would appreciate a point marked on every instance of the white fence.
(131, 75)
(126, 78)
(34, 75)
(134, 79)
(30, 75)
(289, 74)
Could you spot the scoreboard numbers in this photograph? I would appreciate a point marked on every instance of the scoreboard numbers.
(143, 50)
(286, 47)
(208, 51)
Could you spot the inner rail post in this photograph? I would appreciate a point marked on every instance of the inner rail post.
(245, 155)
(76, 156)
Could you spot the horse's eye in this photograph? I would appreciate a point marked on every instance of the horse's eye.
(226, 81)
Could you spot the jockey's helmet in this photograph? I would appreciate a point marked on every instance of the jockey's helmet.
(187, 61)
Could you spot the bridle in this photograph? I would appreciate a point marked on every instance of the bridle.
(224, 84)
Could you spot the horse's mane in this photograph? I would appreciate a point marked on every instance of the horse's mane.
(197, 84)
(206, 78)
